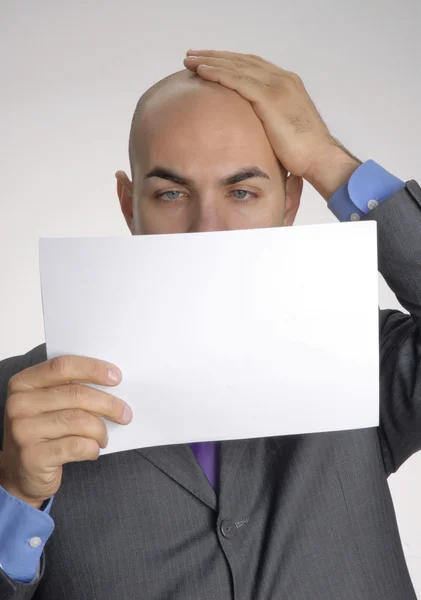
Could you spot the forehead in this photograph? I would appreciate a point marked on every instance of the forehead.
(208, 126)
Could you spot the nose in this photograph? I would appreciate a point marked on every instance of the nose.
(208, 216)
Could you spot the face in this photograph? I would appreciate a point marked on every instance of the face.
(202, 162)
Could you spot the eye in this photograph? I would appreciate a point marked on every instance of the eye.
(170, 196)
(244, 195)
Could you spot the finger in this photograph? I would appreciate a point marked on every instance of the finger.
(249, 88)
(216, 53)
(71, 396)
(55, 453)
(59, 424)
(252, 70)
(258, 71)
(224, 54)
(63, 369)
(251, 59)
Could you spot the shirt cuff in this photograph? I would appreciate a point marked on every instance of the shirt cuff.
(24, 530)
(368, 186)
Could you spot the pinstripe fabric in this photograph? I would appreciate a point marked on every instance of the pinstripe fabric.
(313, 514)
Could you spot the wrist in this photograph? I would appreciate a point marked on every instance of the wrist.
(331, 169)
(11, 489)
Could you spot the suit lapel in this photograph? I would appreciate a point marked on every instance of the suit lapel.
(179, 463)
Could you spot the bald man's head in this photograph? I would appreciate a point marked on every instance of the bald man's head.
(200, 160)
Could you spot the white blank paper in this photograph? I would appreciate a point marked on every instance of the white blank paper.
(223, 335)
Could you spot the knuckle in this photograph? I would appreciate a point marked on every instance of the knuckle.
(77, 446)
(275, 86)
(12, 384)
(60, 365)
(288, 84)
(76, 392)
(281, 85)
(58, 450)
(240, 62)
(70, 417)
(84, 448)
(19, 431)
(77, 415)
(16, 406)
(294, 77)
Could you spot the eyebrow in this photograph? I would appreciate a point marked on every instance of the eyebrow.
(241, 175)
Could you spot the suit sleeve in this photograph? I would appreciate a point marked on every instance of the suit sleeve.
(11, 589)
(399, 259)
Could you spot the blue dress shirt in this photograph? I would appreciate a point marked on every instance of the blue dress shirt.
(24, 530)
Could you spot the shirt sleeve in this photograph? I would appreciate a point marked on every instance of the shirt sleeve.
(24, 530)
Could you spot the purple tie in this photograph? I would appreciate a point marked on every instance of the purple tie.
(207, 455)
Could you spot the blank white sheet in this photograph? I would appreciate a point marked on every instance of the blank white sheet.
(223, 335)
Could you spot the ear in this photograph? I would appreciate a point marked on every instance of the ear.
(124, 192)
(293, 191)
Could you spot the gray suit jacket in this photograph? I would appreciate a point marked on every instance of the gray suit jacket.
(301, 517)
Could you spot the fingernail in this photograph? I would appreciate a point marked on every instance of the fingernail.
(190, 51)
(114, 375)
(127, 414)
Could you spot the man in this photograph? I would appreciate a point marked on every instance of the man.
(299, 517)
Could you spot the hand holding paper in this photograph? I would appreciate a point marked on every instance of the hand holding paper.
(50, 422)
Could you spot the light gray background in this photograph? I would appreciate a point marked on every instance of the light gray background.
(73, 71)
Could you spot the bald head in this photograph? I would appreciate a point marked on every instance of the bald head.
(148, 96)
(200, 160)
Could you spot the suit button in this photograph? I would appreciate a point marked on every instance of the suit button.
(228, 529)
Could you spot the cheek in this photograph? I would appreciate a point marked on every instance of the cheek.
(277, 210)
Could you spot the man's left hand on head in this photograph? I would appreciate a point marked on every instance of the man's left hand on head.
(292, 123)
